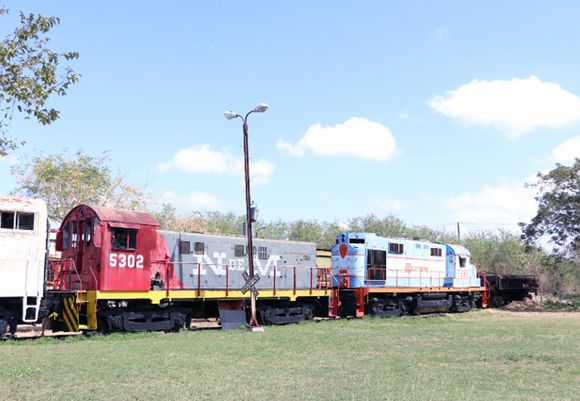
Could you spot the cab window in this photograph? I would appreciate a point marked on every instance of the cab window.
(7, 219)
(25, 221)
(123, 238)
(65, 236)
(17, 220)
(88, 231)
(74, 233)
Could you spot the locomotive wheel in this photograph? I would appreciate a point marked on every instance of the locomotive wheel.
(386, 307)
(103, 325)
(3, 327)
(498, 301)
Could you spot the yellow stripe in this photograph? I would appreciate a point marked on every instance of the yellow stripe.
(156, 296)
(71, 315)
(75, 313)
(67, 315)
(66, 318)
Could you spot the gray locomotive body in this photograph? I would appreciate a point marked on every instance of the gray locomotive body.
(214, 262)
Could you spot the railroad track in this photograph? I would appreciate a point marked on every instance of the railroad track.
(27, 332)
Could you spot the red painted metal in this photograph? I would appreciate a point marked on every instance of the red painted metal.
(361, 294)
(334, 304)
(227, 279)
(487, 292)
(294, 269)
(98, 266)
(129, 217)
(343, 250)
(60, 273)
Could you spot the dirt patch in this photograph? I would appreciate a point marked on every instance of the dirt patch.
(542, 303)
(539, 313)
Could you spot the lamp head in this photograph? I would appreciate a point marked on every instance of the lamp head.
(230, 115)
(262, 107)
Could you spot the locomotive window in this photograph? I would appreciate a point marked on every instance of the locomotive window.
(239, 250)
(435, 251)
(7, 220)
(25, 221)
(462, 261)
(184, 247)
(65, 236)
(88, 231)
(132, 238)
(356, 240)
(263, 252)
(377, 264)
(123, 238)
(395, 248)
(73, 236)
(199, 248)
(306, 257)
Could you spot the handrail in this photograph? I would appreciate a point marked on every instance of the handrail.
(400, 276)
(296, 276)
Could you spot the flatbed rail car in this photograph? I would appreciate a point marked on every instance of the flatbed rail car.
(119, 272)
(23, 236)
(506, 288)
(395, 276)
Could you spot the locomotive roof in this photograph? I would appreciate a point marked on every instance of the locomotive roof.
(125, 216)
(218, 236)
(112, 215)
(21, 203)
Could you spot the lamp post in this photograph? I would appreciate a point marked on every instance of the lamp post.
(230, 115)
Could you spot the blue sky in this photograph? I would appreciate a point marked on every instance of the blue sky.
(433, 111)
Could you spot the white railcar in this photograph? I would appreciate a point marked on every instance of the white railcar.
(23, 241)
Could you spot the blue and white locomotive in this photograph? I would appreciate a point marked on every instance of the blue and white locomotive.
(393, 276)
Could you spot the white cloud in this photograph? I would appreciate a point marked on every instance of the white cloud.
(202, 159)
(197, 159)
(357, 137)
(503, 206)
(565, 152)
(260, 171)
(203, 200)
(516, 107)
(195, 200)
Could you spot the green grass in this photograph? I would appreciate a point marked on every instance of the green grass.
(476, 356)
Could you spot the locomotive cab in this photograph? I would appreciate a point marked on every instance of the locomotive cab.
(460, 272)
(106, 249)
(23, 236)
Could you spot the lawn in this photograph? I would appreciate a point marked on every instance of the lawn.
(484, 355)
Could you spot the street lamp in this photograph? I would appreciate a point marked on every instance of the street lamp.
(230, 115)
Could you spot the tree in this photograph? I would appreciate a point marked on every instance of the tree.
(30, 73)
(389, 226)
(168, 219)
(322, 233)
(273, 230)
(558, 216)
(64, 183)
